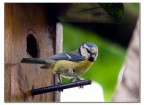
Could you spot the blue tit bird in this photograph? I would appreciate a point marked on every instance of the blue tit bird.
(70, 64)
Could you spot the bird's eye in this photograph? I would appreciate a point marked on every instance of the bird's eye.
(94, 54)
(88, 51)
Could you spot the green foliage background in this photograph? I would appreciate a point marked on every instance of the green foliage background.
(108, 64)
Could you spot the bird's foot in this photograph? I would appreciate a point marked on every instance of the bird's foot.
(59, 83)
(80, 87)
(78, 79)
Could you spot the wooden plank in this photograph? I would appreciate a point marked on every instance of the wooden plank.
(7, 57)
(89, 12)
(59, 44)
(116, 10)
(22, 20)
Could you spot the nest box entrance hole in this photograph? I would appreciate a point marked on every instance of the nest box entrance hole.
(32, 46)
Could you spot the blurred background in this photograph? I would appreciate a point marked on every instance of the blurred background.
(112, 40)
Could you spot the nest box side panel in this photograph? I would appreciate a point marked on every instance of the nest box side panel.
(29, 32)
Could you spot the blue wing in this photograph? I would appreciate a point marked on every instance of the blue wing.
(61, 56)
(67, 56)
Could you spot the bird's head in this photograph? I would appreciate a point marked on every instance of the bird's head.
(89, 51)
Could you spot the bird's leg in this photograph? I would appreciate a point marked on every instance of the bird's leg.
(78, 79)
(60, 81)
(59, 78)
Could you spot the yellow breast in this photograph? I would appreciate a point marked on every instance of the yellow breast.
(78, 67)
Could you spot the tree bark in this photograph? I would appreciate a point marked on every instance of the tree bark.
(128, 89)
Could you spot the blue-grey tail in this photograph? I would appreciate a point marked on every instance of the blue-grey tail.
(33, 60)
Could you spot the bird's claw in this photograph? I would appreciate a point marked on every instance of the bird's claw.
(59, 83)
(80, 87)
(78, 79)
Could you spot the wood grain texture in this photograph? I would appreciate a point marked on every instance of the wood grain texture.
(59, 43)
(20, 21)
(90, 12)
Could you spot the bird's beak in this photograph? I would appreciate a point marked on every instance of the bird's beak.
(94, 57)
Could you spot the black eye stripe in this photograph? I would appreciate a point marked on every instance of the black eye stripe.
(79, 50)
(88, 51)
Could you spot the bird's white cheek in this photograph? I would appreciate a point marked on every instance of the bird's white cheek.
(85, 53)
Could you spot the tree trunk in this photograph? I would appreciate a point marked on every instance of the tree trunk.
(128, 89)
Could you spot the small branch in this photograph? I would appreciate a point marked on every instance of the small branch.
(60, 87)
